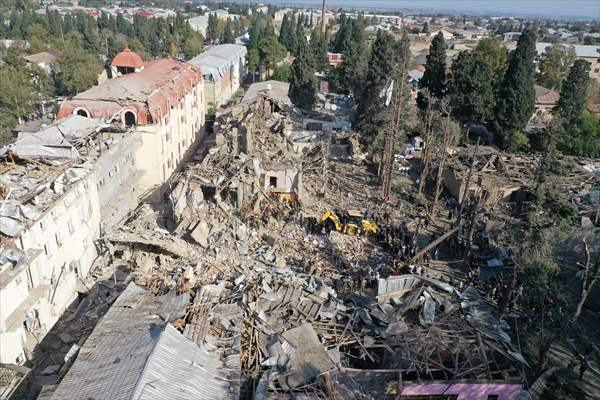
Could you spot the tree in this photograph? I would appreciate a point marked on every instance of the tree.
(16, 99)
(287, 34)
(271, 51)
(303, 84)
(555, 64)
(425, 27)
(227, 36)
(517, 96)
(318, 47)
(471, 89)
(77, 70)
(192, 44)
(493, 53)
(212, 30)
(381, 65)
(572, 99)
(434, 77)
(281, 73)
(253, 61)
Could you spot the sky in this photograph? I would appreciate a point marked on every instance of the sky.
(589, 9)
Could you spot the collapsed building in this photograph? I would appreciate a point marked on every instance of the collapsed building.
(270, 310)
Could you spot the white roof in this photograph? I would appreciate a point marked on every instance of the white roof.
(217, 60)
(581, 50)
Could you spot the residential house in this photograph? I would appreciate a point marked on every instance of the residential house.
(163, 100)
(545, 101)
(43, 60)
(199, 24)
(222, 68)
(335, 59)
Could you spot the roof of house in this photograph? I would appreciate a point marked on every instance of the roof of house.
(134, 353)
(45, 57)
(415, 74)
(150, 92)
(217, 60)
(127, 58)
(545, 96)
(275, 89)
(586, 51)
(201, 21)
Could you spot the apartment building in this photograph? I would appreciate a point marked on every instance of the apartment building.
(162, 101)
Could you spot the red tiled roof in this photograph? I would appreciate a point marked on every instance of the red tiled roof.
(127, 58)
(149, 92)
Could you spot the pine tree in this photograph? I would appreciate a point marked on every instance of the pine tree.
(227, 36)
(381, 65)
(303, 84)
(287, 35)
(572, 96)
(318, 47)
(434, 77)
(517, 95)
(300, 37)
(471, 89)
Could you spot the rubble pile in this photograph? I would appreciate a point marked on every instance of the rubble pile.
(290, 310)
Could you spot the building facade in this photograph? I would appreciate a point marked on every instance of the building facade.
(222, 68)
(162, 101)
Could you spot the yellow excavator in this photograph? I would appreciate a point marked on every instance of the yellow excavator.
(352, 222)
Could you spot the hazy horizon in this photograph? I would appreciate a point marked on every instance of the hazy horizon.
(589, 9)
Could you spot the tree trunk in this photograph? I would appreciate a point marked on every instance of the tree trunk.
(438, 180)
(587, 282)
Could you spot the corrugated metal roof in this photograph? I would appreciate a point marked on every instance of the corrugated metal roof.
(581, 50)
(133, 354)
(217, 60)
(179, 369)
(149, 91)
(112, 360)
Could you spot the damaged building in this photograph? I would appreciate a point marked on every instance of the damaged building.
(163, 101)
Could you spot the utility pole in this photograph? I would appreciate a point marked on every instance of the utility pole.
(323, 15)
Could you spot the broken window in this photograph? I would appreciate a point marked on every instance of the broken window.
(273, 181)
(83, 112)
(129, 119)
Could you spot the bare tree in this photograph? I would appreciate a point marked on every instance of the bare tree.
(589, 277)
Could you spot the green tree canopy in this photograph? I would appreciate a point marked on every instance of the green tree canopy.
(517, 95)
(287, 33)
(554, 65)
(572, 96)
(77, 70)
(271, 51)
(471, 89)
(381, 65)
(227, 36)
(17, 98)
(303, 84)
(495, 55)
(434, 78)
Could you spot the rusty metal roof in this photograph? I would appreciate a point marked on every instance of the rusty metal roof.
(127, 58)
(150, 92)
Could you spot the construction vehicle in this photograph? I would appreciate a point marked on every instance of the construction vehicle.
(352, 222)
